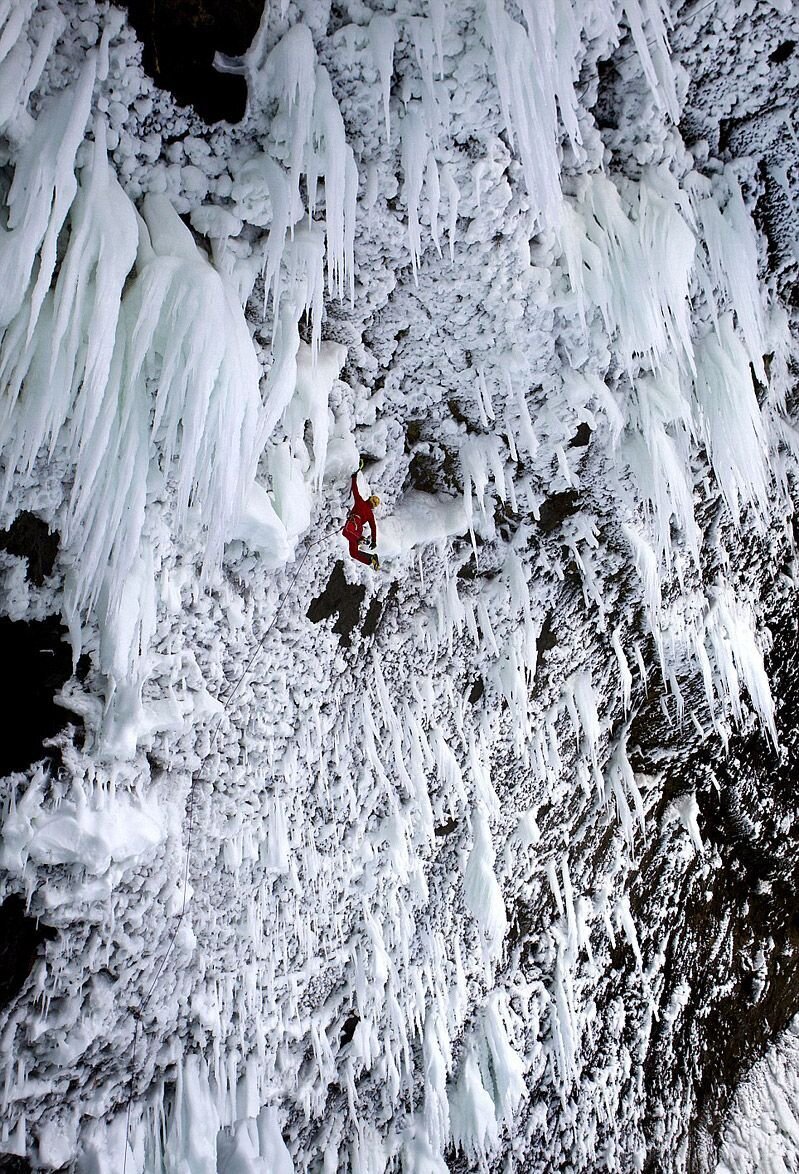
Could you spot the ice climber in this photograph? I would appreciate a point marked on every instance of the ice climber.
(362, 514)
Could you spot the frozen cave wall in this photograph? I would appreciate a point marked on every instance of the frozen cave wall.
(486, 860)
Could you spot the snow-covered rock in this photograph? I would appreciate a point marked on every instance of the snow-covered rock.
(492, 869)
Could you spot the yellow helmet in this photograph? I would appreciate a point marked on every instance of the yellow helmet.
(374, 500)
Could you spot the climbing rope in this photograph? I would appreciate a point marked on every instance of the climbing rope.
(226, 702)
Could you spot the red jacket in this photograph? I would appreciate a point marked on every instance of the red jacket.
(360, 515)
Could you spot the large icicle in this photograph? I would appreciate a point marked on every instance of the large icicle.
(382, 34)
(657, 66)
(207, 399)
(414, 157)
(527, 95)
(481, 889)
(638, 273)
(731, 422)
(39, 199)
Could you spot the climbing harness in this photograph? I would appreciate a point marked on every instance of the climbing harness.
(226, 702)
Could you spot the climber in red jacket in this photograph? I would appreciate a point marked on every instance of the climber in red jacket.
(362, 514)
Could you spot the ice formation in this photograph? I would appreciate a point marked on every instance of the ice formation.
(362, 896)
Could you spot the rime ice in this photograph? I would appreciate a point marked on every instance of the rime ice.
(415, 824)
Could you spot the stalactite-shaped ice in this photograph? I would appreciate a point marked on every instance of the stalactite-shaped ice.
(73, 371)
(453, 199)
(424, 50)
(194, 1124)
(207, 399)
(657, 447)
(732, 251)
(731, 421)
(382, 34)
(436, 1106)
(481, 460)
(638, 273)
(341, 184)
(315, 379)
(624, 669)
(433, 199)
(658, 71)
(307, 138)
(482, 893)
(621, 782)
(527, 95)
(39, 200)
(472, 1114)
(22, 61)
(505, 1065)
(730, 639)
(415, 147)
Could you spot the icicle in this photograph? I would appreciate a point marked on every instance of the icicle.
(646, 563)
(381, 37)
(565, 63)
(660, 72)
(207, 397)
(486, 627)
(414, 156)
(448, 771)
(289, 74)
(433, 199)
(581, 704)
(732, 245)
(310, 402)
(732, 424)
(282, 378)
(39, 200)
(574, 245)
(283, 216)
(194, 1124)
(484, 792)
(563, 1023)
(730, 640)
(658, 451)
(482, 893)
(528, 105)
(453, 199)
(624, 918)
(472, 1114)
(624, 670)
(422, 33)
(480, 455)
(340, 182)
(437, 21)
(621, 781)
(504, 1074)
(654, 257)
(436, 1106)
(687, 809)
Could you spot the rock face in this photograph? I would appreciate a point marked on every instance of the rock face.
(486, 858)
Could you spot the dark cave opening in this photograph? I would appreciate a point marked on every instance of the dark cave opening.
(557, 508)
(782, 52)
(20, 938)
(29, 537)
(11, 1164)
(180, 38)
(37, 663)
